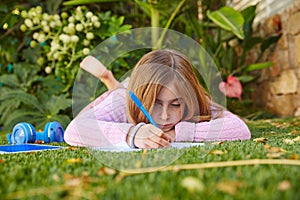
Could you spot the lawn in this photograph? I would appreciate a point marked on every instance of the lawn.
(264, 168)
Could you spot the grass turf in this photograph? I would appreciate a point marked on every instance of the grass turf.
(78, 173)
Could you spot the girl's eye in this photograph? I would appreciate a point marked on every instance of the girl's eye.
(158, 104)
(175, 104)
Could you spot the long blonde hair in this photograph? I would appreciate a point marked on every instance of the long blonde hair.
(155, 70)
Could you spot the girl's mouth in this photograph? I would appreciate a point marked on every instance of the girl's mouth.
(166, 126)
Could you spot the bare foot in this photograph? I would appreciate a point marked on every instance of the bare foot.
(97, 69)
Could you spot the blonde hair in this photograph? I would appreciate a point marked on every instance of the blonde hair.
(155, 70)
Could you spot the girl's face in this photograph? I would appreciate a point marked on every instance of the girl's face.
(168, 108)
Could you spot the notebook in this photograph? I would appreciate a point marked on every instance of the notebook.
(22, 148)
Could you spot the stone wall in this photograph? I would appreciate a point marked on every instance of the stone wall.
(278, 88)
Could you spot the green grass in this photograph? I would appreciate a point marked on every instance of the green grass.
(77, 173)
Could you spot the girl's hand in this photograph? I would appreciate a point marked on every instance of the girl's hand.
(171, 134)
(149, 136)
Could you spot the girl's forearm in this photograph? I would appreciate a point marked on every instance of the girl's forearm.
(228, 127)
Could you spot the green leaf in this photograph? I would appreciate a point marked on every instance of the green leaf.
(9, 80)
(268, 42)
(24, 97)
(250, 42)
(19, 115)
(246, 78)
(57, 103)
(249, 14)
(228, 19)
(258, 66)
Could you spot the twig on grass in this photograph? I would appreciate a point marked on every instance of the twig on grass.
(129, 172)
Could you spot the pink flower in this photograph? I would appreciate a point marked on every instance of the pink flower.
(232, 87)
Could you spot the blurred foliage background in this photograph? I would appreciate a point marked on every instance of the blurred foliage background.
(42, 43)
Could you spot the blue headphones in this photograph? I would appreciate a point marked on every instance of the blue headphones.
(25, 133)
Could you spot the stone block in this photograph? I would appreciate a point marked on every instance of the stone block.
(282, 42)
(284, 59)
(286, 83)
(275, 69)
(297, 112)
(283, 105)
(292, 50)
(293, 25)
(296, 49)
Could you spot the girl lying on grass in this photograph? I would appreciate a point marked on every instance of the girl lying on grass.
(167, 86)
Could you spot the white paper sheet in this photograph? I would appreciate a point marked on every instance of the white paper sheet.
(123, 147)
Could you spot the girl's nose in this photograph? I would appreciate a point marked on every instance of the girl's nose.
(164, 115)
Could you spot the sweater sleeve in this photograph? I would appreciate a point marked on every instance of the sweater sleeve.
(102, 124)
(226, 127)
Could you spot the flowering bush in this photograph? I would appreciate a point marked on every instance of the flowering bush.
(67, 37)
(42, 57)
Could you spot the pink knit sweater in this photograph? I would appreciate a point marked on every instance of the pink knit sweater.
(104, 123)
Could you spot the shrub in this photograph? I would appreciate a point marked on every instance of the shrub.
(37, 83)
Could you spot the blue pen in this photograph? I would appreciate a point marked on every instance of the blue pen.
(139, 104)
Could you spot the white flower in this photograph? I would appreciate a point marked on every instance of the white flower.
(86, 51)
(97, 24)
(52, 24)
(78, 16)
(24, 14)
(16, 11)
(74, 38)
(71, 28)
(71, 19)
(44, 23)
(46, 29)
(71, 25)
(89, 14)
(54, 47)
(48, 70)
(54, 42)
(5, 26)
(86, 42)
(41, 38)
(56, 17)
(40, 61)
(61, 37)
(35, 35)
(64, 15)
(36, 20)
(28, 23)
(58, 23)
(94, 19)
(33, 43)
(56, 55)
(65, 29)
(38, 9)
(65, 38)
(23, 28)
(32, 13)
(45, 16)
(79, 27)
(78, 9)
(89, 36)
